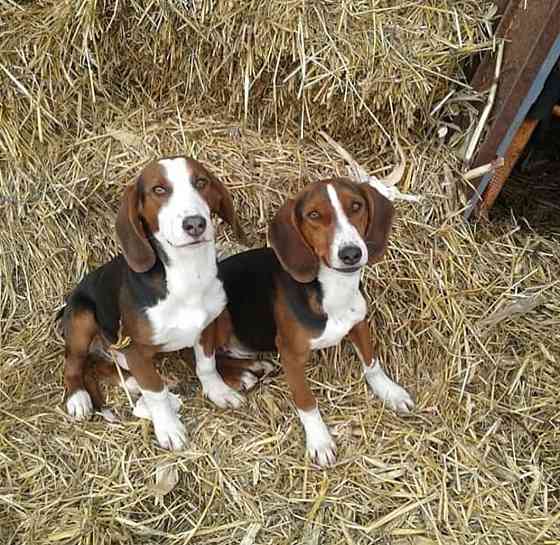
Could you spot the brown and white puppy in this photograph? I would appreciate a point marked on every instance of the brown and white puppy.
(304, 293)
(163, 291)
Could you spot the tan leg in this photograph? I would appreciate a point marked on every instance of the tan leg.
(140, 359)
(79, 330)
(213, 385)
(388, 391)
(92, 386)
(320, 445)
(168, 428)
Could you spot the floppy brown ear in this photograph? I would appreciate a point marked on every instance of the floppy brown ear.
(381, 213)
(290, 247)
(226, 211)
(137, 251)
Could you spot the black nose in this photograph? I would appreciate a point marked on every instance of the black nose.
(350, 255)
(194, 225)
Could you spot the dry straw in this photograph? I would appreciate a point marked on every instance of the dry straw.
(91, 89)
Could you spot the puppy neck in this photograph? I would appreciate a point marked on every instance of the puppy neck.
(338, 287)
(189, 269)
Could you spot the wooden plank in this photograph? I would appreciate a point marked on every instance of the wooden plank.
(531, 29)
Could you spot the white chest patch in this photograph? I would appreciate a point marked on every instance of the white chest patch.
(342, 302)
(195, 298)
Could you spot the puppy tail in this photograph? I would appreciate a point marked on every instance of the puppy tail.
(60, 313)
(58, 321)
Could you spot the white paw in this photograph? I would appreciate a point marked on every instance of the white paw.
(131, 384)
(396, 397)
(219, 393)
(79, 405)
(320, 445)
(170, 432)
(261, 367)
(162, 409)
(322, 450)
(399, 399)
(108, 415)
(256, 370)
(141, 409)
(248, 381)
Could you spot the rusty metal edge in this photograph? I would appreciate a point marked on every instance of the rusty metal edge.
(524, 54)
(484, 75)
(532, 95)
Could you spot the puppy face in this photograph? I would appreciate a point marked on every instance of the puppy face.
(333, 220)
(172, 200)
(339, 223)
(175, 206)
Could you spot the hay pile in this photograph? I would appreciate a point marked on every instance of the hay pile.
(467, 317)
(340, 65)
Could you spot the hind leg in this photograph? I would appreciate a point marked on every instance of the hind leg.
(91, 384)
(238, 365)
(79, 330)
(98, 371)
(106, 372)
(242, 374)
(100, 349)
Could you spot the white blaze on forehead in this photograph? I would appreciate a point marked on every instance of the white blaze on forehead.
(341, 217)
(345, 234)
(184, 201)
(178, 173)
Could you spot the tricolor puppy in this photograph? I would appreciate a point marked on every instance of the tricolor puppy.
(163, 291)
(304, 293)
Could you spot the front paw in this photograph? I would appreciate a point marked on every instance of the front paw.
(79, 405)
(399, 400)
(395, 396)
(322, 450)
(142, 410)
(320, 445)
(170, 432)
(219, 393)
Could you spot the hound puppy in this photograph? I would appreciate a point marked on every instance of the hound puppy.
(303, 294)
(163, 291)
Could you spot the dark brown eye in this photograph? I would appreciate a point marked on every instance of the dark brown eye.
(159, 190)
(313, 215)
(200, 183)
(356, 206)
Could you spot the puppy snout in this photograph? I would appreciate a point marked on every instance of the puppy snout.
(194, 225)
(350, 255)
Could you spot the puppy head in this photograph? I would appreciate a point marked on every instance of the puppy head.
(339, 223)
(172, 201)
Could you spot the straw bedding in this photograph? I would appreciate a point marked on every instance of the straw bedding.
(466, 316)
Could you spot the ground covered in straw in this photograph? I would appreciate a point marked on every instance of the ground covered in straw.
(466, 316)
